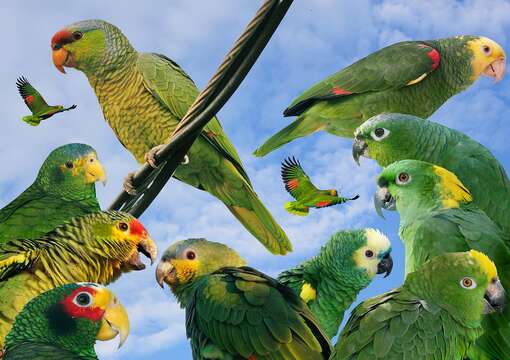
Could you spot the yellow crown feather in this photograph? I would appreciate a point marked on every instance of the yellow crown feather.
(485, 263)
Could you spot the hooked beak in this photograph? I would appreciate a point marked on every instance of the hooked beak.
(115, 319)
(385, 265)
(384, 200)
(359, 148)
(94, 171)
(496, 69)
(165, 272)
(495, 298)
(147, 247)
(59, 58)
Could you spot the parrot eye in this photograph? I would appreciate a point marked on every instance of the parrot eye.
(77, 35)
(91, 160)
(83, 299)
(190, 255)
(369, 253)
(69, 164)
(403, 178)
(379, 134)
(123, 226)
(486, 49)
(468, 283)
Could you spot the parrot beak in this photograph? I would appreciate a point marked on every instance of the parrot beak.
(385, 265)
(60, 55)
(383, 200)
(496, 69)
(115, 319)
(94, 171)
(165, 272)
(59, 58)
(147, 247)
(495, 297)
(359, 148)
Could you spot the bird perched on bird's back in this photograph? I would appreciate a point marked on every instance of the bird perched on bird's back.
(64, 188)
(36, 103)
(143, 97)
(330, 281)
(435, 314)
(307, 196)
(64, 324)
(234, 311)
(410, 77)
(97, 247)
(388, 138)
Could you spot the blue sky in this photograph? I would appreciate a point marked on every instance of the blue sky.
(317, 38)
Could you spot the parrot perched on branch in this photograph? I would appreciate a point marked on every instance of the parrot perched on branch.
(97, 247)
(307, 196)
(436, 314)
(64, 324)
(437, 216)
(143, 97)
(236, 312)
(410, 77)
(64, 188)
(36, 103)
(330, 281)
(388, 138)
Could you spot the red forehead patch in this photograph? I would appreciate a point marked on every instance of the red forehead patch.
(61, 36)
(77, 311)
(137, 228)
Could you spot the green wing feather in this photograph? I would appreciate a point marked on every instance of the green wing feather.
(246, 313)
(41, 352)
(17, 256)
(297, 183)
(389, 68)
(32, 98)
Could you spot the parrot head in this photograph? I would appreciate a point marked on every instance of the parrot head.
(465, 284)
(89, 45)
(488, 58)
(69, 170)
(187, 260)
(412, 184)
(71, 317)
(373, 255)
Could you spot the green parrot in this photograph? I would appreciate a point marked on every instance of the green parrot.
(388, 138)
(436, 314)
(65, 322)
(437, 216)
(64, 188)
(330, 282)
(307, 196)
(143, 97)
(36, 103)
(234, 311)
(97, 247)
(410, 77)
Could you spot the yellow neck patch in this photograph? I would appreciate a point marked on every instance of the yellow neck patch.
(452, 189)
(185, 270)
(308, 293)
(485, 263)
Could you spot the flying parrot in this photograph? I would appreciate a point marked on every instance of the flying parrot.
(36, 103)
(97, 248)
(234, 311)
(410, 77)
(436, 314)
(65, 322)
(388, 138)
(64, 188)
(143, 97)
(330, 281)
(307, 196)
(437, 216)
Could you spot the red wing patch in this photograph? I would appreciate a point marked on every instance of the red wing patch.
(292, 184)
(337, 91)
(252, 357)
(210, 134)
(29, 99)
(434, 56)
(323, 204)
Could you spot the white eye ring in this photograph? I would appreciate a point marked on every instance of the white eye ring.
(486, 49)
(83, 299)
(379, 133)
(468, 283)
(403, 178)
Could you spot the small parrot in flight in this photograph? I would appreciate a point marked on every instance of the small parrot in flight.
(410, 77)
(97, 248)
(388, 138)
(330, 281)
(36, 103)
(63, 189)
(65, 322)
(307, 196)
(436, 314)
(236, 312)
(437, 216)
(143, 97)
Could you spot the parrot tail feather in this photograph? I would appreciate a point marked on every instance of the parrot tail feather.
(32, 120)
(294, 208)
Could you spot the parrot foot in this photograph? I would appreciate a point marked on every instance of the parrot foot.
(128, 184)
(150, 157)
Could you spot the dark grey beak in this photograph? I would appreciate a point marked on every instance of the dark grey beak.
(495, 298)
(359, 148)
(384, 200)
(386, 265)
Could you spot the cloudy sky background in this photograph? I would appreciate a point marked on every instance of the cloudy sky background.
(315, 39)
